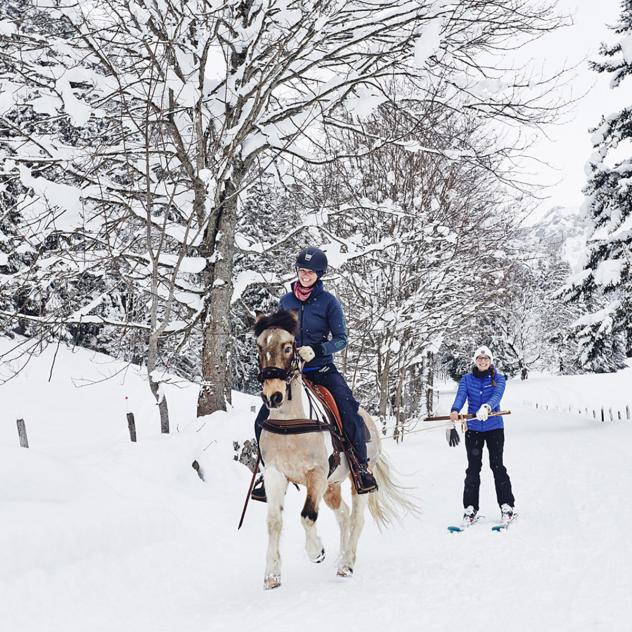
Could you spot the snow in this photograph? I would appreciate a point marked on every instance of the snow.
(57, 195)
(603, 316)
(608, 272)
(428, 42)
(365, 100)
(248, 277)
(187, 265)
(626, 49)
(78, 111)
(101, 534)
(7, 28)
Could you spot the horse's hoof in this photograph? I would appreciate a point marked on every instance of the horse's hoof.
(271, 581)
(345, 571)
(320, 557)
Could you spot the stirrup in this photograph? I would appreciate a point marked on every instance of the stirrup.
(259, 491)
(365, 482)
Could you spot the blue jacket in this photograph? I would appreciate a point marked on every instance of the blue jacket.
(479, 391)
(319, 317)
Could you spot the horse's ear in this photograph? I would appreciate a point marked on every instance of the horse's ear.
(294, 315)
(259, 315)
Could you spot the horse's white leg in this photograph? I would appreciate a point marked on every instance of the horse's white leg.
(333, 498)
(359, 504)
(276, 486)
(316, 483)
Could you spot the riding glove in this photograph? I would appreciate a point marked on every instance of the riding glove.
(483, 412)
(307, 353)
(452, 436)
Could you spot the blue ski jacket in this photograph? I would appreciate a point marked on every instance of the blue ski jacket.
(479, 391)
(322, 324)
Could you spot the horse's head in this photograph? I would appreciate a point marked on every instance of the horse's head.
(277, 355)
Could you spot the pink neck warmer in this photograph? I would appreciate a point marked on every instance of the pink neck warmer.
(302, 293)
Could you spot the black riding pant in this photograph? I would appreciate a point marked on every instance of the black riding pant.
(352, 422)
(474, 442)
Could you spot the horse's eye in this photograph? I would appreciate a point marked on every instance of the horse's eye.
(288, 349)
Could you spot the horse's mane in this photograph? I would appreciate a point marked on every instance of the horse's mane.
(283, 319)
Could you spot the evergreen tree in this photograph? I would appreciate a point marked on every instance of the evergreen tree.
(605, 284)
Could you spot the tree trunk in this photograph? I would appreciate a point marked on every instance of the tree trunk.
(399, 404)
(430, 383)
(219, 250)
(158, 393)
(383, 367)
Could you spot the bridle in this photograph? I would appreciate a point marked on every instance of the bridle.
(285, 374)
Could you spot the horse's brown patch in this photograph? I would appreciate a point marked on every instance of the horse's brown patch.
(333, 497)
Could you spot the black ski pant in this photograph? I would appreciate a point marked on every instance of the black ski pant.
(352, 422)
(474, 442)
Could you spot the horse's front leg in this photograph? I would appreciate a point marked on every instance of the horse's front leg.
(276, 486)
(316, 483)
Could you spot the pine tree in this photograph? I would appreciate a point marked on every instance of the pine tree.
(605, 284)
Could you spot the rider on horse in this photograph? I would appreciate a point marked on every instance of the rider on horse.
(320, 315)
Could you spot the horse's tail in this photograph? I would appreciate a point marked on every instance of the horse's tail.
(391, 501)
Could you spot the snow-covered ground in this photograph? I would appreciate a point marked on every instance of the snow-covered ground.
(99, 534)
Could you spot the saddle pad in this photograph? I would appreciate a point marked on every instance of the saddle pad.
(327, 400)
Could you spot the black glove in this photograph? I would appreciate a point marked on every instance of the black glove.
(452, 436)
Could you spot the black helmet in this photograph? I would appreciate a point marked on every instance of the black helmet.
(312, 259)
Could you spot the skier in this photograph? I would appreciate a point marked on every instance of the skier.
(483, 388)
(320, 315)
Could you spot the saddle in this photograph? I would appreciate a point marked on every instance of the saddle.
(333, 424)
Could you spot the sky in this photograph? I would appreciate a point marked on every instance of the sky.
(568, 148)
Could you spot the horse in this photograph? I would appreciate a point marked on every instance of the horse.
(304, 459)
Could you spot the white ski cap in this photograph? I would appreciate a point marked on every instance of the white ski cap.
(483, 351)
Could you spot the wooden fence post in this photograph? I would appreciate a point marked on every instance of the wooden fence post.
(131, 424)
(24, 442)
(602, 415)
(610, 413)
(627, 412)
(200, 472)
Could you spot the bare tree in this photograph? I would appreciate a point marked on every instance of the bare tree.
(178, 108)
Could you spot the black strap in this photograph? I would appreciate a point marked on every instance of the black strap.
(273, 373)
(294, 426)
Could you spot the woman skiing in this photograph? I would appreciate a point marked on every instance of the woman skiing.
(483, 389)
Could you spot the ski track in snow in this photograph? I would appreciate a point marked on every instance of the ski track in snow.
(100, 534)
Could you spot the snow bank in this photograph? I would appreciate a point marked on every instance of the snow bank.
(101, 534)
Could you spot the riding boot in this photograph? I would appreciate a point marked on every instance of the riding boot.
(259, 491)
(366, 479)
(363, 481)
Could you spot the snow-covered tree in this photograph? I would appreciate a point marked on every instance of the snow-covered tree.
(138, 128)
(415, 239)
(605, 284)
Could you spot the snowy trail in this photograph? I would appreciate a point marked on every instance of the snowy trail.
(125, 537)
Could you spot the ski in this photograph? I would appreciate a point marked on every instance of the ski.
(463, 526)
(503, 526)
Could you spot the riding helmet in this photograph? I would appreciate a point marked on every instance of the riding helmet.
(312, 259)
